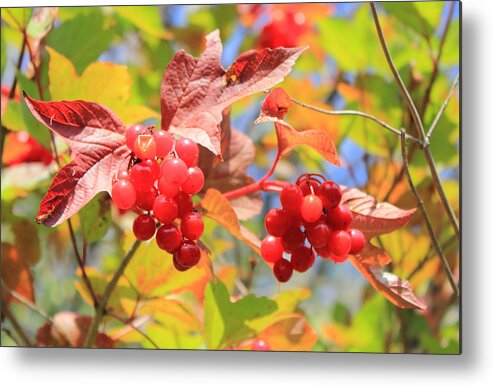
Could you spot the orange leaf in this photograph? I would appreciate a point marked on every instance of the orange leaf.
(293, 334)
(15, 275)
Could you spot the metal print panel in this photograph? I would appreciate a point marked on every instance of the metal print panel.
(254, 177)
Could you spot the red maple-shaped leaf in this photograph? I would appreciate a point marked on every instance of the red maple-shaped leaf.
(373, 219)
(194, 92)
(96, 139)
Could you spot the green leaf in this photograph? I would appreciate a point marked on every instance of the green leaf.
(41, 22)
(146, 18)
(17, 18)
(81, 39)
(95, 218)
(409, 14)
(3, 49)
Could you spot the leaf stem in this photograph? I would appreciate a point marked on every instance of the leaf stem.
(101, 307)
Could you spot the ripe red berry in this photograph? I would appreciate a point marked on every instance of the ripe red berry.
(144, 227)
(283, 270)
(174, 171)
(330, 193)
(123, 194)
(339, 242)
(324, 252)
(156, 169)
(358, 241)
(194, 180)
(165, 209)
(318, 234)
(164, 143)
(276, 222)
(260, 345)
(145, 146)
(177, 264)
(339, 259)
(131, 135)
(145, 200)
(167, 188)
(311, 208)
(142, 176)
(192, 226)
(308, 187)
(339, 218)
(123, 174)
(188, 151)
(302, 259)
(188, 254)
(184, 202)
(293, 238)
(271, 249)
(168, 238)
(291, 198)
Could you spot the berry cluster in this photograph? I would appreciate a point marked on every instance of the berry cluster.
(312, 221)
(158, 184)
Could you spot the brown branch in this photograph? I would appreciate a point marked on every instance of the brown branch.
(442, 108)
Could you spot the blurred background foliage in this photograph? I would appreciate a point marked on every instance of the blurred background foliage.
(116, 56)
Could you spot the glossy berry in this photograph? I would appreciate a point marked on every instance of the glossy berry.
(184, 202)
(188, 151)
(131, 135)
(192, 226)
(145, 147)
(339, 218)
(142, 176)
(168, 238)
(260, 345)
(123, 194)
(283, 270)
(340, 242)
(144, 227)
(291, 198)
(156, 169)
(339, 259)
(164, 143)
(167, 188)
(194, 181)
(293, 238)
(174, 171)
(145, 200)
(330, 193)
(271, 249)
(311, 208)
(302, 259)
(123, 174)
(276, 222)
(308, 187)
(324, 252)
(165, 209)
(358, 241)
(318, 234)
(188, 254)
(178, 265)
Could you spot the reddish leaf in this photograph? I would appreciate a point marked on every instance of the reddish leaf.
(96, 138)
(16, 275)
(288, 138)
(276, 104)
(194, 92)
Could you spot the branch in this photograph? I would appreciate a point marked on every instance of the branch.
(26, 302)
(426, 217)
(17, 327)
(133, 327)
(101, 308)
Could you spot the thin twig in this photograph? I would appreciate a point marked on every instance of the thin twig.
(442, 108)
(426, 217)
(17, 327)
(26, 302)
(101, 308)
(133, 327)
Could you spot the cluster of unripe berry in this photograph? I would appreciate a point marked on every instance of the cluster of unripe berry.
(312, 221)
(158, 184)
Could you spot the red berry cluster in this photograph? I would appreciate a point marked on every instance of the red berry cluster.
(312, 221)
(158, 184)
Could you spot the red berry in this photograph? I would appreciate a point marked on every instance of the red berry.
(283, 270)
(260, 345)
(358, 241)
(271, 249)
(174, 171)
(145, 200)
(291, 198)
(167, 188)
(142, 176)
(164, 143)
(340, 242)
(339, 259)
(188, 255)
(123, 194)
(184, 202)
(144, 227)
(330, 193)
(123, 174)
(131, 135)
(276, 222)
(311, 208)
(145, 146)
(168, 238)
(178, 265)
(339, 218)
(324, 252)
(165, 209)
(194, 180)
(293, 238)
(192, 226)
(188, 151)
(302, 259)
(308, 187)
(318, 234)
(156, 169)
